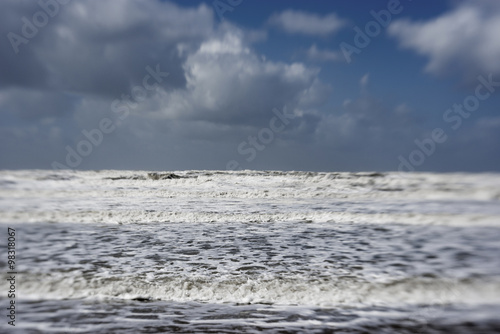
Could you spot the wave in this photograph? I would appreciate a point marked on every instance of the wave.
(248, 196)
(340, 291)
(153, 216)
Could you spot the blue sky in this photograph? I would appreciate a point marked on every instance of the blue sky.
(242, 84)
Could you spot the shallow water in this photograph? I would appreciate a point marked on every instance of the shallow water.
(121, 252)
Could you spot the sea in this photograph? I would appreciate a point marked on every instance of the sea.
(115, 251)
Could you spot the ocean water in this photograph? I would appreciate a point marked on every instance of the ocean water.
(251, 251)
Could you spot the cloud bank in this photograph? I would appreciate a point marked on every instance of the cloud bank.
(84, 65)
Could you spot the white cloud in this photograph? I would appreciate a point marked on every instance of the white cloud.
(314, 53)
(230, 44)
(227, 83)
(464, 39)
(299, 22)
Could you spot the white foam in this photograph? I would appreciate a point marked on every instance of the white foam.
(289, 291)
(217, 196)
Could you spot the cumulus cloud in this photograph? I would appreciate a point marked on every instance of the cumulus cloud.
(464, 39)
(299, 22)
(227, 83)
(100, 50)
(67, 78)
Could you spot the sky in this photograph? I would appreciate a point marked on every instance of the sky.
(250, 84)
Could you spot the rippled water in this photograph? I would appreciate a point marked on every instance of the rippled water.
(132, 252)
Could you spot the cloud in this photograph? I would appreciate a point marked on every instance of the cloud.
(299, 22)
(99, 47)
(98, 50)
(29, 104)
(367, 123)
(464, 39)
(218, 91)
(314, 53)
(367, 131)
(228, 83)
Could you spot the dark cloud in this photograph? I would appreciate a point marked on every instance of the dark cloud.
(33, 104)
(100, 47)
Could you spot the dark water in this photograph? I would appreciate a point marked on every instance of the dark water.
(170, 317)
(267, 277)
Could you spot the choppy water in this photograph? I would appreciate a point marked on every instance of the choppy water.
(278, 252)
